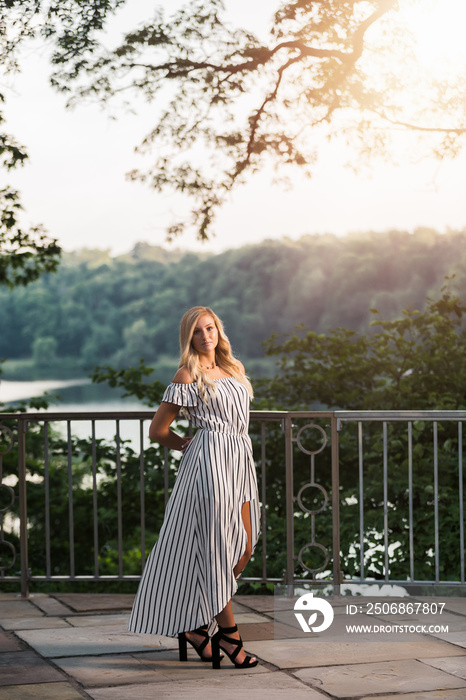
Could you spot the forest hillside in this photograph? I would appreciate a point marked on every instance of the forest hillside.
(99, 309)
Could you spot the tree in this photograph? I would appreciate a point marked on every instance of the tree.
(234, 103)
(414, 362)
(44, 350)
(345, 68)
(321, 281)
(24, 254)
(71, 25)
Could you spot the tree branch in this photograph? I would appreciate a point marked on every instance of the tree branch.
(458, 131)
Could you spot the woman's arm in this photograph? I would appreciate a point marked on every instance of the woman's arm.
(166, 413)
(160, 427)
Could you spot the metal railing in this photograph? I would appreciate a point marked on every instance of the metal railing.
(374, 483)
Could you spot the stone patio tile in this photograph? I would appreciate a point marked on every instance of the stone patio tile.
(260, 603)
(402, 676)
(50, 606)
(457, 638)
(168, 662)
(22, 667)
(248, 618)
(457, 605)
(273, 686)
(238, 608)
(33, 623)
(155, 667)
(42, 691)
(98, 620)
(457, 694)
(8, 642)
(455, 665)
(111, 669)
(90, 602)
(296, 653)
(266, 630)
(83, 641)
(18, 608)
(262, 630)
(17, 596)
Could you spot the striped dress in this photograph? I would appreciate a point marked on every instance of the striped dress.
(188, 577)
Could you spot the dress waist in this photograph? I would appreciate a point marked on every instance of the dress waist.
(224, 432)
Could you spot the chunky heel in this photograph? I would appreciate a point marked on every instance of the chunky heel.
(215, 652)
(182, 647)
(183, 642)
(215, 641)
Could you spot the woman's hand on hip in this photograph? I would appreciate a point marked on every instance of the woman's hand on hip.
(185, 444)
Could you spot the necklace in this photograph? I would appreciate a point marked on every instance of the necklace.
(212, 366)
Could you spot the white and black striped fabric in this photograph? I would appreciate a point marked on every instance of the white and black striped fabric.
(188, 577)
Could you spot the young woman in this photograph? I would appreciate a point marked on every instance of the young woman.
(211, 522)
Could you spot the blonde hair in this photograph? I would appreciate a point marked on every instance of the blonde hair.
(223, 355)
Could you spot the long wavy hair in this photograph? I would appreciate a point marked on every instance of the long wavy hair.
(189, 358)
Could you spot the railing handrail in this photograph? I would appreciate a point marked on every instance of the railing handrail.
(377, 415)
(290, 426)
(401, 415)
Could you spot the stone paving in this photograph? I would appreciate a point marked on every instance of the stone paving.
(72, 646)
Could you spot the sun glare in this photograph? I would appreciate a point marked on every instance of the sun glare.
(437, 28)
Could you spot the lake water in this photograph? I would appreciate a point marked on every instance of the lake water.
(81, 396)
(72, 395)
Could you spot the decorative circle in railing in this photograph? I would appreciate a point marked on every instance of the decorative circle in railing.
(310, 545)
(11, 493)
(3, 442)
(3, 557)
(312, 486)
(312, 426)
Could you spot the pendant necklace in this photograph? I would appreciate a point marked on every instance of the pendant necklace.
(212, 366)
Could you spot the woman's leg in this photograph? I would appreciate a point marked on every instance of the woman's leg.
(245, 557)
(225, 619)
(197, 640)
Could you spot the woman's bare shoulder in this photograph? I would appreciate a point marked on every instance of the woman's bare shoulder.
(182, 376)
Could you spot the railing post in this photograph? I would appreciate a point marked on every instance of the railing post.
(336, 505)
(289, 575)
(22, 493)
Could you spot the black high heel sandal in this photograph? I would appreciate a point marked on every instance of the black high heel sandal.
(221, 634)
(183, 647)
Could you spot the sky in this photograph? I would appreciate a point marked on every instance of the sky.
(74, 181)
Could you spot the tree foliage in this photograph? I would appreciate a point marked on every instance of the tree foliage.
(70, 25)
(230, 103)
(233, 102)
(413, 362)
(113, 311)
(24, 254)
